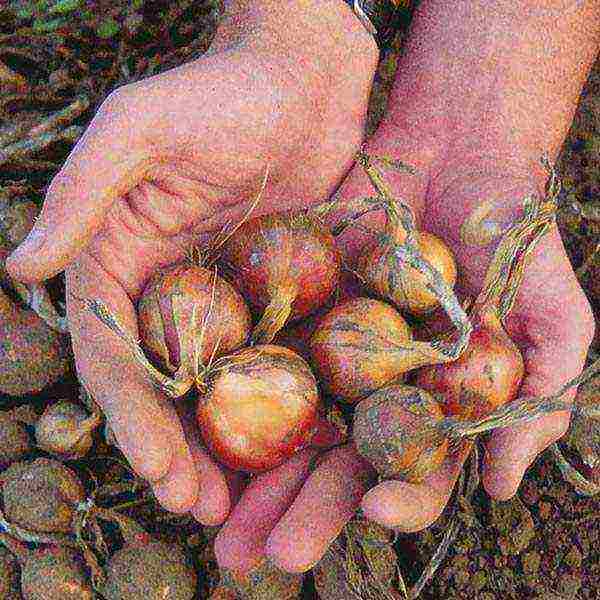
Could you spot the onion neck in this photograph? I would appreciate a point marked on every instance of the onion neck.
(276, 314)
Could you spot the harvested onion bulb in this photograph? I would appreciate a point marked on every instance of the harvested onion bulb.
(286, 265)
(32, 355)
(261, 407)
(395, 430)
(407, 288)
(14, 440)
(41, 496)
(65, 430)
(359, 346)
(187, 314)
(153, 571)
(54, 573)
(487, 375)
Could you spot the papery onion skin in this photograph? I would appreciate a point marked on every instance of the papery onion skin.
(354, 348)
(59, 431)
(190, 286)
(285, 258)
(383, 425)
(411, 294)
(152, 571)
(54, 574)
(260, 409)
(41, 495)
(486, 376)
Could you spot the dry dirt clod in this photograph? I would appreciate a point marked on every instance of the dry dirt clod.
(54, 574)
(154, 571)
(41, 496)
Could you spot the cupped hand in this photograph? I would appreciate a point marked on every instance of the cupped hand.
(293, 513)
(474, 127)
(167, 162)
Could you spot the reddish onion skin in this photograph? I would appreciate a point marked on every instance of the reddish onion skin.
(171, 296)
(412, 295)
(487, 375)
(260, 409)
(286, 264)
(353, 348)
(383, 425)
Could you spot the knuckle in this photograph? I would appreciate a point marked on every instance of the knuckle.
(117, 105)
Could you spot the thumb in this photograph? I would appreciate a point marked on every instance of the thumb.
(107, 161)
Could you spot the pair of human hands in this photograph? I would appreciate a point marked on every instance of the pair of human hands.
(171, 159)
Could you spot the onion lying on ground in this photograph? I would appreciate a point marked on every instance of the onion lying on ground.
(286, 265)
(150, 571)
(54, 573)
(264, 582)
(14, 440)
(386, 425)
(359, 346)
(65, 430)
(32, 355)
(41, 496)
(9, 576)
(260, 408)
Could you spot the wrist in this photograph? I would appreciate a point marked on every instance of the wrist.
(312, 35)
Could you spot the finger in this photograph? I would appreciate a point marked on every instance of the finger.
(109, 159)
(144, 423)
(509, 452)
(213, 504)
(240, 545)
(177, 491)
(553, 326)
(410, 507)
(326, 502)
